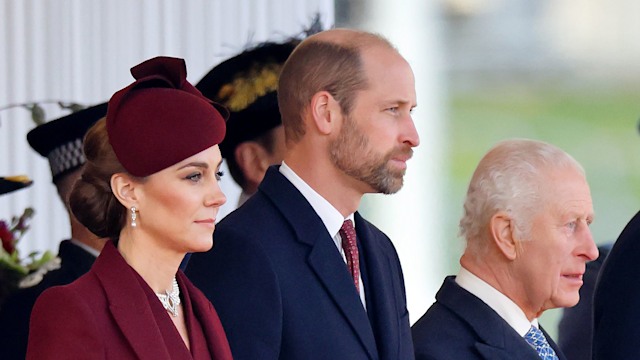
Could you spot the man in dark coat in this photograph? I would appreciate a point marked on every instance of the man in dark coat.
(61, 142)
(289, 275)
(526, 222)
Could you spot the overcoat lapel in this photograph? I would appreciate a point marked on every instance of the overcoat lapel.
(128, 304)
(324, 259)
(497, 340)
(492, 352)
(213, 331)
(382, 300)
(553, 344)
(332, 275)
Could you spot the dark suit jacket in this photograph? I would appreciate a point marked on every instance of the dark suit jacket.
(461, 326)
(284, 292)
(16, 311)
(106, 314)
(616, 330)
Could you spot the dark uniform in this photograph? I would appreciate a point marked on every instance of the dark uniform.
(15, 312)
(60, 141)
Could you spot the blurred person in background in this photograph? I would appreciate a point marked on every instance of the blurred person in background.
(10, 184)
(246, 84)
(60, 141)
(10, 233)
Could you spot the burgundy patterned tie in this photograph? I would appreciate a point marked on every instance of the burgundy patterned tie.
(348, 235)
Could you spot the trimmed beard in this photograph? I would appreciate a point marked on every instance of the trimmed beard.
(351, 153)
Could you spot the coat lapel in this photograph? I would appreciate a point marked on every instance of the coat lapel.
(382, 293)
(128, 304)
(497, 340)
(209, 321)
(553, 344)
(324, 259)
(332, 273)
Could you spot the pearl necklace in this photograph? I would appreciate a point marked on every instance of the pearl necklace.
(171, 300)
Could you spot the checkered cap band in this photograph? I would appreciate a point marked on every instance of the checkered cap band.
(65, 157)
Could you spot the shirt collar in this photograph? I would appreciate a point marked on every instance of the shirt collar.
(244, 196)
(500, 303)
(330, 216)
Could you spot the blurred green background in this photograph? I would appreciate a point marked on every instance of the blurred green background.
(596, 123)
(599, 127)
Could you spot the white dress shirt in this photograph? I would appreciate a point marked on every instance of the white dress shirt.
(500, 303)
(329, 215)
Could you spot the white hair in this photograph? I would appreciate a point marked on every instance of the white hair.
(509, 178)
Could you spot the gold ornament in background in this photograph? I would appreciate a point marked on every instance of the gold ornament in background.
(250, 85)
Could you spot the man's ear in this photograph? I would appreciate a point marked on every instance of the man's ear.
(324, 110)
(501, 227)
(124, 189)
(253, 160)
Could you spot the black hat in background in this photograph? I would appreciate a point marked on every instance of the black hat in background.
(60, 140)
(246, 84)
(13, 183)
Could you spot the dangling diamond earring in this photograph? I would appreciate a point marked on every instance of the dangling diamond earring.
(134, 217)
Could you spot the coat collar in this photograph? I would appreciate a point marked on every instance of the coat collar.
(383, 291)
(75, 259)
(128, 301)
(497, 340)
(203, 310)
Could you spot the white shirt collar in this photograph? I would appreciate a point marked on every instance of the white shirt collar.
(243, 198)
(500, 303)
(329, 215)
(86, 247)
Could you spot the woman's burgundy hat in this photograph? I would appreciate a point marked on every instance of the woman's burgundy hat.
(161, 119)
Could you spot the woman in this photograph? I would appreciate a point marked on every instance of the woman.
(151, 185)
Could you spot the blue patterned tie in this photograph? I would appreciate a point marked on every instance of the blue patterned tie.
(536, 339)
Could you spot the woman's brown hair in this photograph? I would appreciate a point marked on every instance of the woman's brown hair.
(92, 201)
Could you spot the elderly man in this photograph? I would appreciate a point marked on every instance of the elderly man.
(526, 223)
(291, 275)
